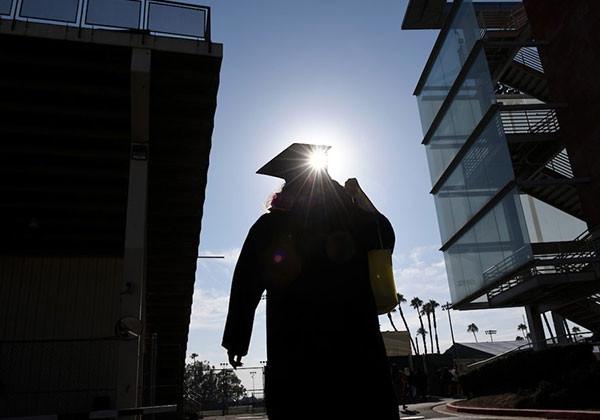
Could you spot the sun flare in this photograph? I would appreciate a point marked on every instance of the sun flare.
(318, 160)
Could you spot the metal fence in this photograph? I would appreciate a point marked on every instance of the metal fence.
(158, 17)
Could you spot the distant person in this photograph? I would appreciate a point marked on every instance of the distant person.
(309, 253)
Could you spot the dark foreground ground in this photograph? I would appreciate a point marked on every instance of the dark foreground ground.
(429, 410)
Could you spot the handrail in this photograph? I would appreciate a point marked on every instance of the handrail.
(545, 261)
(138, 15)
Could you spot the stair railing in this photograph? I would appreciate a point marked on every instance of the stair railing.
(561, 164)
(529, 119)
(530, 57)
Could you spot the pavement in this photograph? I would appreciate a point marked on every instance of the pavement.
(428, 410)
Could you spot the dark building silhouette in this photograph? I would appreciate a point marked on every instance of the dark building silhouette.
(106, 118)
(508, 99)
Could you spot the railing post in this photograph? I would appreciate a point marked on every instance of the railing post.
(207, 30)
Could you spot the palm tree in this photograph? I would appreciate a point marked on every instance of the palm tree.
(417, 303)
(523, 329)
(389, 315)
(519, 338)
(422, 332)
(434, 305)
(426, 310)
(401, 300)
(472, 328)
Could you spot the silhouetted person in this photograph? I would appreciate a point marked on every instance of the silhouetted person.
(309, 253)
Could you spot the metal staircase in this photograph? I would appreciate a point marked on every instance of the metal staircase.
(585, 312)
(525, 73)
(512, 57)
(555, 185)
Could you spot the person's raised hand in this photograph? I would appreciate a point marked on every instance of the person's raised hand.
(235, 360)
(358, 195)
(352, 187)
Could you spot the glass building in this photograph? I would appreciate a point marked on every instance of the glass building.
(508, 209)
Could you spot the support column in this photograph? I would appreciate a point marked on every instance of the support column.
(536, 328)
(559, 327)
(131, 305)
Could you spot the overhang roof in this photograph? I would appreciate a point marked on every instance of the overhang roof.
(493, 349)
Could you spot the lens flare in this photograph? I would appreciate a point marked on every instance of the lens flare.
(318, 160)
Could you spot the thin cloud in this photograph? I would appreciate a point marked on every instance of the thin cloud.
(421, 272)
(209, 309)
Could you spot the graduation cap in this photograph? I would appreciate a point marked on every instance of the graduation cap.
(299, 159)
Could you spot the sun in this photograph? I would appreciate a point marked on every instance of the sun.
(318, 160)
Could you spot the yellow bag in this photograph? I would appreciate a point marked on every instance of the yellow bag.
(381, 275)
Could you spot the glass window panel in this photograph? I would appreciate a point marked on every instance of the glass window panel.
(462, 35)
(115, 13)
(495, 245)
(5, 7)
(470, 104)
(483, 171)
(548, 224)
(61, 10)
(176, 20)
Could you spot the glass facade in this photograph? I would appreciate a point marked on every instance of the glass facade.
(498, 241)
(496, 244)
(482, 172)
(474, 98)
(455, 49)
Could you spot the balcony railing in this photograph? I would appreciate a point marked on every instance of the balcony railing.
(501, 19)
(529, 119)
(158, 17)
(555, 258)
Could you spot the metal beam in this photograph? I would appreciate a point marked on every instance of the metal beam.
(134, 263)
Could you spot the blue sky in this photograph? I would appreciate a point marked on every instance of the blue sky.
(339, 72)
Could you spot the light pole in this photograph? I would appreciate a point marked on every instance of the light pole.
(447, 308)
(252, 373)
(491, 334)
(263, 363)
(224, 371)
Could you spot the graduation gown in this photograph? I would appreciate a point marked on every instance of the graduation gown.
(324, 347)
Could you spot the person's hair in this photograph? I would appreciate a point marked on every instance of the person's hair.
(285, 198)
(273, 198)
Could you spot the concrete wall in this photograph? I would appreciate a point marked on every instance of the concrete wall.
(57, 317)
(572, 65)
